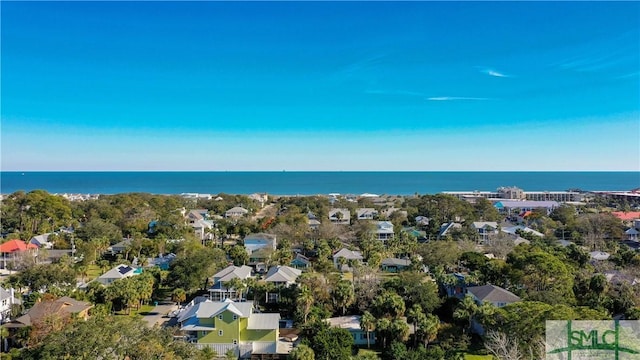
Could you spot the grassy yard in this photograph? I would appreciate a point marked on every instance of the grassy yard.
(144, 310)
(93, 271)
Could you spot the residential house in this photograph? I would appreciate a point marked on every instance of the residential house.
(447, 228)
(395, 265)
(280, 276)
(229, 325)
(626, 216)
(633, 233)
(12, 250)
(7, 300)
(197, 214)
(495, 295)
(485, 229)
(258, 241)
(514, 230)
(340, 216)
(300, 262)
(162, 261)
(262, 198)
(202, 229)
(119, 272)
(219, 291)
(120, 247)
(352, 324)
(422, 221)
(347, 255)
(313, 221)
(236, 212)
(455, 285)
(384, 230)
(366, 214)
(515, 207)
(599, 255)
(63, 309)
(259, 246)
(617, 277)
(42, 241)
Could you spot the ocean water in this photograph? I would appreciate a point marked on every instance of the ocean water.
(308, 183)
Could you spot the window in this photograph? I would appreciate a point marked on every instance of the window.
(220, 332)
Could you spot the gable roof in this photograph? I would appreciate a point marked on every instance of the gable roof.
(485, 224)
(348, 254)
(118, 272)
(366, 212)
(626, 216)
(282, 274)
(264, 321)
(209, 309)
(492, 293)
(233, 272)
(396, 262)
(16, 245)
(63, 306)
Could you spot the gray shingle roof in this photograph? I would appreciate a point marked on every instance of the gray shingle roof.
(492, 293)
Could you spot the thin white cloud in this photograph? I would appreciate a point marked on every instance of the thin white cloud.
(495, 73)
(454, 98)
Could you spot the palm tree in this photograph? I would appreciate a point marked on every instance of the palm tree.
(343, 295)
(368, 324)
(178, 295)
(415, 316)
(466, 310)
(305, 301)
(429, 328)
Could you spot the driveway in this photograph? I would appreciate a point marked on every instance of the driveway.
(157, 315)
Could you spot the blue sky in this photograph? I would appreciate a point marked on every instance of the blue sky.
(419, 86)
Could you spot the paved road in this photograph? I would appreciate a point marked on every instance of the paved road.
(156, 316)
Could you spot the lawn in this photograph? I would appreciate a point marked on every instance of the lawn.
(144, 310)
(93, 271)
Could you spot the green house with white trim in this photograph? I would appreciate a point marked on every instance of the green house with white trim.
(231, 325)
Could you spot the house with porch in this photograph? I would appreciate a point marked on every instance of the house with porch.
(366, 214)
(352, 324)
(229, 325)
(219, 290)
(349, 256)
(236, 212)
(280, 277)
(300, 262)
(8, 299)
(384, 230)
(13, 250)
(340, 216)
(394, 265)
(485, 229)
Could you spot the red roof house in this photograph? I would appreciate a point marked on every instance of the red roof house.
(626, 216)
(16, 245)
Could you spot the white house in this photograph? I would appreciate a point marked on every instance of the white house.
(485, 229)
(7, 299)
(236, 212)
(340, 216)
(42, 241)
(348, 255)
(280, 276)
(352, 324)
(219, 291)
(384, 230)
(119, 272)
(366, 214)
